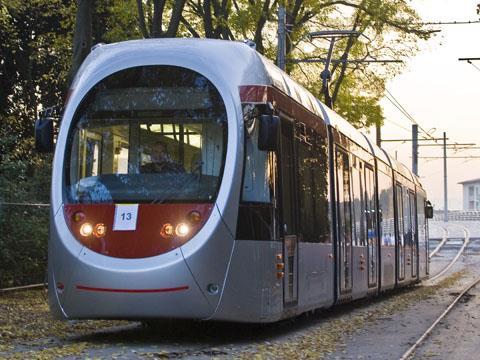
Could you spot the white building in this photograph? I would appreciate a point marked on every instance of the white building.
(471, 194)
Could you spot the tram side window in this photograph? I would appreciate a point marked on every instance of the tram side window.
(385, 194)
(344, 201)
(255, 214)
(370, 204)
(411, 199)
(407, 222)
(421, 220)
(313, 188)
(257, 178)
(400, 216)
(358, 202)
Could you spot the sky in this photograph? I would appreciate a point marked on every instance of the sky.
(440, 92)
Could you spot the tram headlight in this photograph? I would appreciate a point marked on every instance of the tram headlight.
(100, 230)
(86, 229)
(182, 230)
(167, 231)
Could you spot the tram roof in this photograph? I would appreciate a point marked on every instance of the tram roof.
(378, 152)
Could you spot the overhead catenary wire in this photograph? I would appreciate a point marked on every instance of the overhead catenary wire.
(470, 61)
(452, 22)
(390, 97)
(407, 114)
(398, 125)
(475, 66)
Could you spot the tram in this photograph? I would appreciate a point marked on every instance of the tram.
(194, 179)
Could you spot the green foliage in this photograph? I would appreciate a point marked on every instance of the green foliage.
(23, 229)
(115, 21)
(33, 69)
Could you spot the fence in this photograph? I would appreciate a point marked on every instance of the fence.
(458, 215)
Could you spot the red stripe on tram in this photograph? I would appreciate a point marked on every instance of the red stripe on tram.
(135, 291)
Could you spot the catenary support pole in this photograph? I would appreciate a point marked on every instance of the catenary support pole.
(378, 133)
(326, 75)
(445, 193)
(281, 48)
(415, 149)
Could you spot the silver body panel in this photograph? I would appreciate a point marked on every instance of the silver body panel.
(316, 276)
(252, 293)
(360, 272)
(388, 267)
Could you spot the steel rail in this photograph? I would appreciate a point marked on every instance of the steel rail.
(412, 349)
(21, 288)
(441, 243)
(465, 243)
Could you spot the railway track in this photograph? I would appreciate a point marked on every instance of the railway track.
(409, 353)
(441, 243)
(22, 288)
(466, 240)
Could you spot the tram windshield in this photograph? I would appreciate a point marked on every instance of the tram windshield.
(147, 134)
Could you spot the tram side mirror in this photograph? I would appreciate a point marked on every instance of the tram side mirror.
(268, 132)
(428, 210)
(44, 135)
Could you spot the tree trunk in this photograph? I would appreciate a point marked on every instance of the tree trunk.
(343, 65)
(158, 7)
(262, 20)
(82, 39)
(207, 19)
(141, 19)
(175, 18)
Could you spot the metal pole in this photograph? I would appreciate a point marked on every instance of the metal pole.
(415, 149)
(325, 75)
(445, 193)
(378, 129)
(281, 49)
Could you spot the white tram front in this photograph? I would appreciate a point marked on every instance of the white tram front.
(194, 179)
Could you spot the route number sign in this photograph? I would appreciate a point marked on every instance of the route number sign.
(125, 218)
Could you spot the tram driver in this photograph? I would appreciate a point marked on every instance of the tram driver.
(161, 161)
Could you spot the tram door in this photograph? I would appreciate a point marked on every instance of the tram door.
(372, 237)
(344, 221)
(288, 224)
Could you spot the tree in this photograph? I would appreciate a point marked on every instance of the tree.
(82, 38)
(34, 63)
(153, 15)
